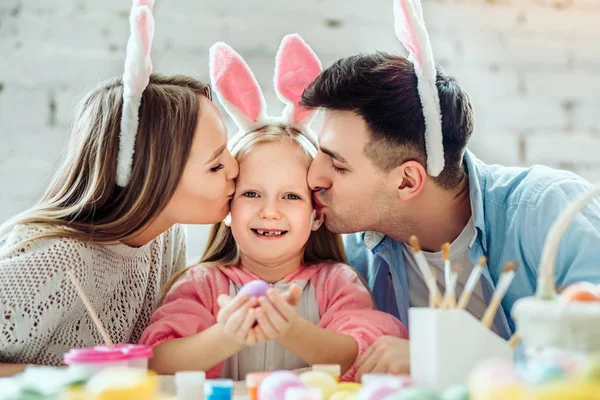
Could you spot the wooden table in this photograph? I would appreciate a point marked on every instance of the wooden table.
(167, 386)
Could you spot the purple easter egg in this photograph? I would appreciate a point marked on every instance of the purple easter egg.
(274, 386)
(255, 288)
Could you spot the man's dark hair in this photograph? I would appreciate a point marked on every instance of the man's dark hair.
(382, 89)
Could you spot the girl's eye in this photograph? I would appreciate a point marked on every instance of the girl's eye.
(250, 194)
(291, 196)
(217, 168)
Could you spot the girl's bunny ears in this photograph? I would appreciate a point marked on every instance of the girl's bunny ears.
(296, 66)
(410, 30)
(138, 68)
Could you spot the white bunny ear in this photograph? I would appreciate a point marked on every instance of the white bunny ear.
(296, 67)
(236, 86)
(410, 30)
(136, 77)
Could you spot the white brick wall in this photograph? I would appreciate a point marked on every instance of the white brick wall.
(531, 67)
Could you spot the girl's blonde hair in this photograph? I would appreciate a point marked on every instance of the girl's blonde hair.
(83, 200)
(221, 248)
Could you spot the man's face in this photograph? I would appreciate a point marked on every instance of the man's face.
(349, 189)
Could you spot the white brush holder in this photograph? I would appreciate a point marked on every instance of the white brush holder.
(445, 346)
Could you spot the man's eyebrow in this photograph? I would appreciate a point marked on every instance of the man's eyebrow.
(333, 154)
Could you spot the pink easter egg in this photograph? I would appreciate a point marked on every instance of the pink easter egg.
(274, 386)
(255, 288)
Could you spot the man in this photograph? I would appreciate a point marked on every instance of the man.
(371, 175)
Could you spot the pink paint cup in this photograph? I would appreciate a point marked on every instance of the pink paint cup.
(94, 359)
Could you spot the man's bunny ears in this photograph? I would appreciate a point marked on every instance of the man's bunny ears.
(296, 66)
(138, 68)
(410, 30)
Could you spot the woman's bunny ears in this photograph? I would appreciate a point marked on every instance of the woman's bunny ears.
(136, 76)
(296, 66)
(410, 30)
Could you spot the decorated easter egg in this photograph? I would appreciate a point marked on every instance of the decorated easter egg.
(379, 389)
(413, 393)
(274, 386)
(255, 288)
(458, 392)
(321, 380)
(581, 292)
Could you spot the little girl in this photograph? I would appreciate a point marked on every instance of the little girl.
(317, 310)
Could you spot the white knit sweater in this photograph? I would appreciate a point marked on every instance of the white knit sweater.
(41, 314)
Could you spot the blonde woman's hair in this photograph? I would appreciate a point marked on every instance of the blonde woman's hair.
(221, 248)
(83, 200)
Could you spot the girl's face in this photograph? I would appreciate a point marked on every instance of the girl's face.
(207, 184)
(272, 211)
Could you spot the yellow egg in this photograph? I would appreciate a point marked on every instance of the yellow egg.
(321, 380)
(504, 392)
(341, 395)
(572, 390)
(349, 386)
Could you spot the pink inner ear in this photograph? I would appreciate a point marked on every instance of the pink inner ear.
(144, 29)
(405, 31)
(148, 3)
(235, 82)
(145, 25)
(297, 67)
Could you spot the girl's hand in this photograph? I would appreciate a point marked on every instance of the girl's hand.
(237, 316)
(275, 316)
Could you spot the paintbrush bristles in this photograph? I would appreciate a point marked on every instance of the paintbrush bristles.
(446, 251)
(414, 243)
(482, 261)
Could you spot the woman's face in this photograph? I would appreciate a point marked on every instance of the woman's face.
(207, 184)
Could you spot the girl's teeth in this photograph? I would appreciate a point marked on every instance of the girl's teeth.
(268, 233)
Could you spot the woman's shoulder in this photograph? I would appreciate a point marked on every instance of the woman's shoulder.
(24, 243)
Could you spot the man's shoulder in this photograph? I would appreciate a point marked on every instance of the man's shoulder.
(515, 186)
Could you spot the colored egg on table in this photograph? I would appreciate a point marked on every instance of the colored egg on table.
(581, 292)
(341, 395)
(565, 390)
(413, 393)
(348, 387)
(502, 392)
(274, 386)
(458, 392)
(320, 379)
(255, 288)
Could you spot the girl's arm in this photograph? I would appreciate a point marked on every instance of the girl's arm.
(185, 333)
(316, 345)
(347, 308)
(202, 351)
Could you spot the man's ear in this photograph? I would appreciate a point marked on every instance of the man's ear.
(408, 179)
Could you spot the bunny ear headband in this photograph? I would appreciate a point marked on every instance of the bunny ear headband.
(410, 30)
(138, 68)
(296, 66)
